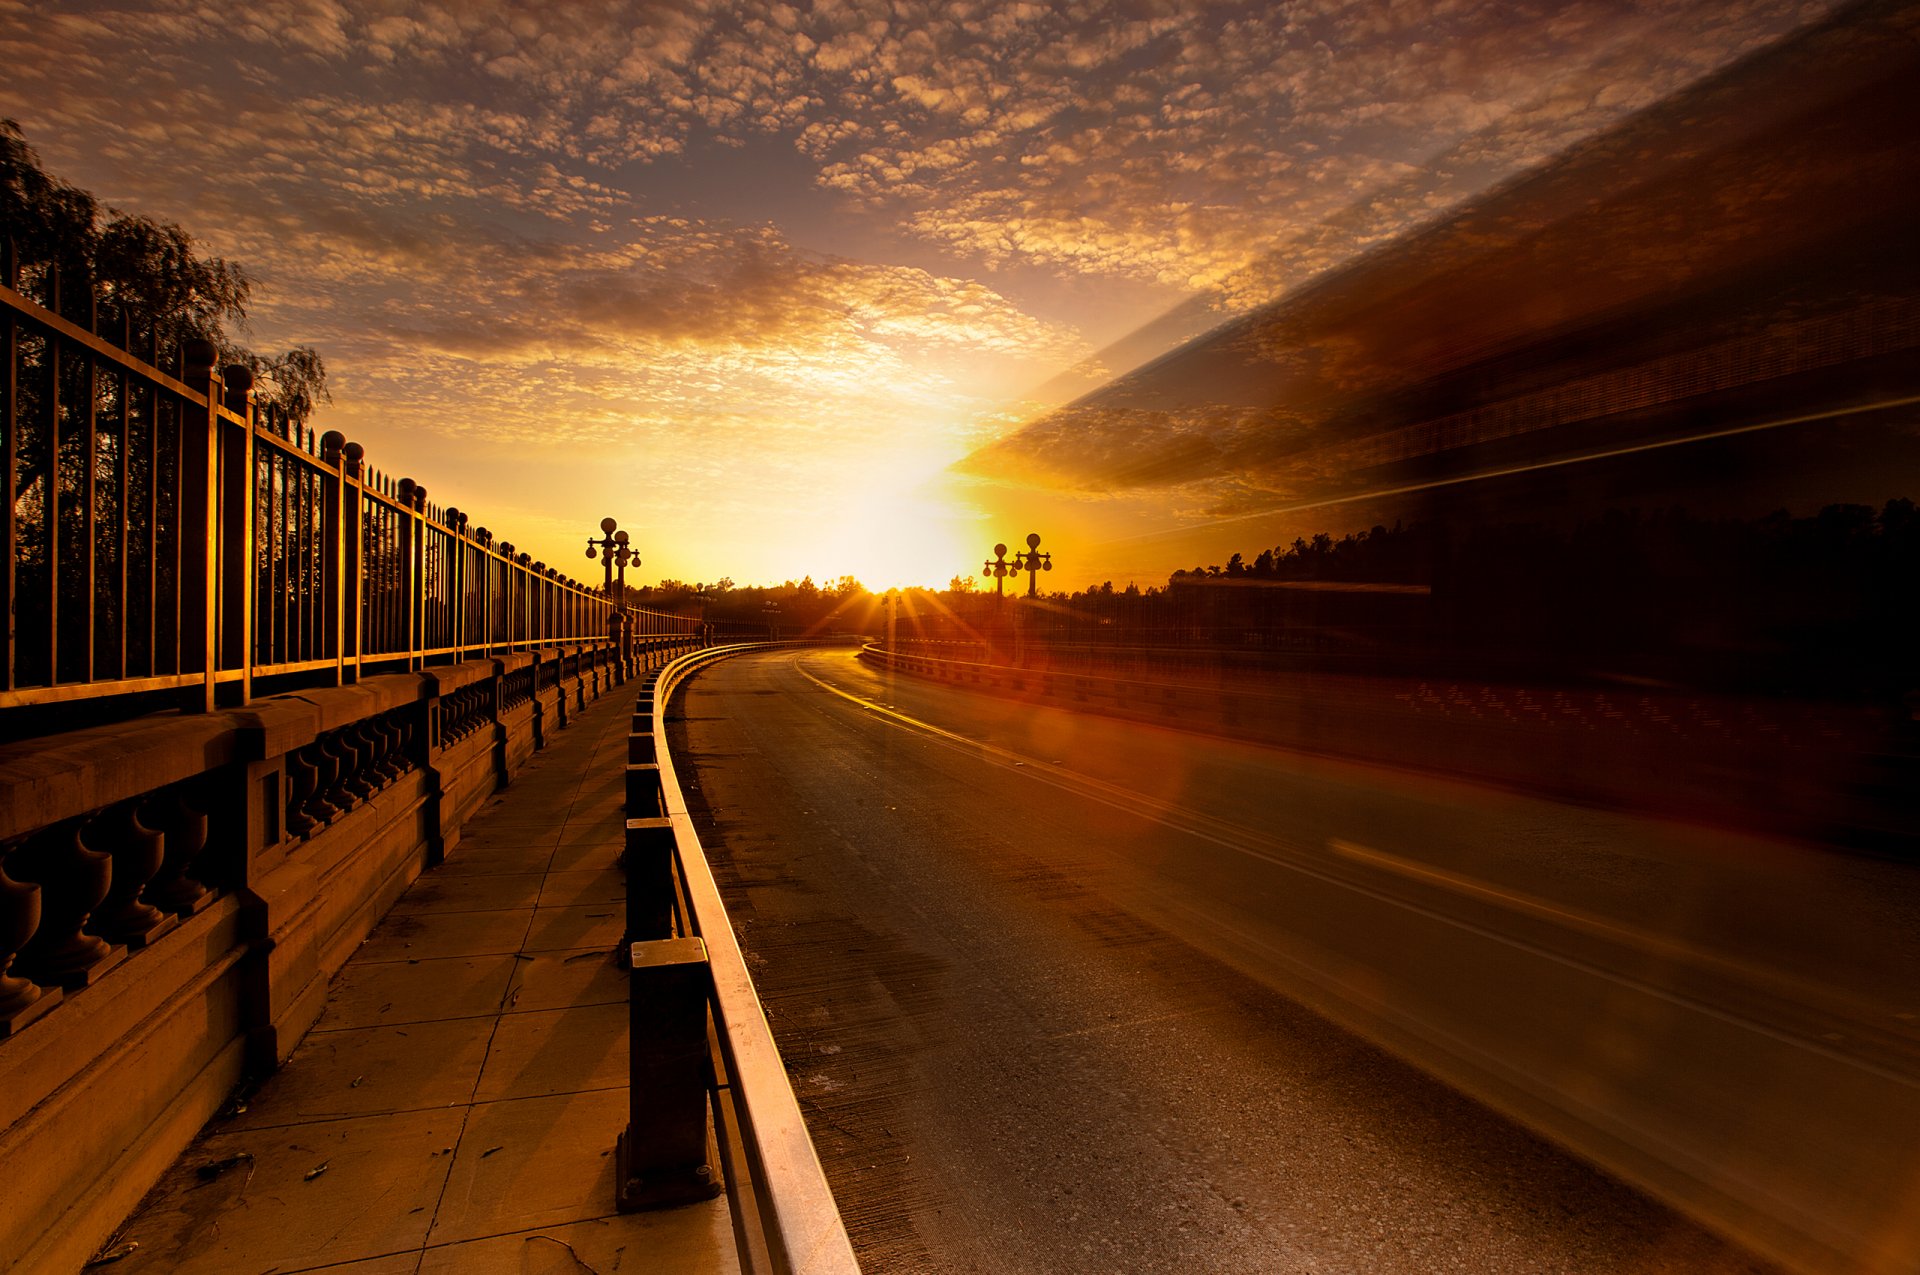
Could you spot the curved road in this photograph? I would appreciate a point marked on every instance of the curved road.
(1037, 979)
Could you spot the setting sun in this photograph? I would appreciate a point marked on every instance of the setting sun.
(905, 525)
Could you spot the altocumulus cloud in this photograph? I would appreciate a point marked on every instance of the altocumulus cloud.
(476, 208)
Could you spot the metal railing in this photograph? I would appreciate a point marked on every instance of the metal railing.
(164, 533)
(693, 999)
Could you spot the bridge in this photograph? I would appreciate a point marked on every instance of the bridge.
(261, 698)
(376, 898)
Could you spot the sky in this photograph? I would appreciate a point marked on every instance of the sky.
(767, 282)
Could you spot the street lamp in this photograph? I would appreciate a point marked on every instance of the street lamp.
(997, 569)
(1033, 562)
(612, 549)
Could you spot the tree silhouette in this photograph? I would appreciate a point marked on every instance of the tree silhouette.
(106, 270)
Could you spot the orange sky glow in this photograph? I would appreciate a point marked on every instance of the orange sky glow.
(775, 286)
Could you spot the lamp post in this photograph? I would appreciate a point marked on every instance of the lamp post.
(613, 550)
(1033, 562)
(997, 569)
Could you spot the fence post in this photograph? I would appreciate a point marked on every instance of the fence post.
(407, 528)
(353, 531)
(480, 578)
(199, 524)
(457, 588)
(332, 539)
(236, 531)
(417, 580)
(340, 533)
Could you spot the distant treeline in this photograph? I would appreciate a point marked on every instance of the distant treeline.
(1398, 555)
(1823, 604)
(797, 606)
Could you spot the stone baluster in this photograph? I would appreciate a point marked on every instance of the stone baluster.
(384, 735)
(303, 781)
(408, 727)
(353, 786)
(137, 851)
(21, 1001)
(324, 806)
(406, 730)
(175, 888)
(369, 748)
(73, 879)
(396, 728)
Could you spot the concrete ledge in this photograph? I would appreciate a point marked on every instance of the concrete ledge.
(513, 662)
(447, 678)
(46, 780)
(344, 705)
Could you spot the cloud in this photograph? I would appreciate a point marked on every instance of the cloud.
(497, 193)
(1234, 147)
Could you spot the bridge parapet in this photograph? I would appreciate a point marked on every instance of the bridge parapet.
(176, 892)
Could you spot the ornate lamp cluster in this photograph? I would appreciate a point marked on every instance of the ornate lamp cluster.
(998, 568)
(612, 548)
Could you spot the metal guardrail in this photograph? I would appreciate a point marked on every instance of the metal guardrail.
(685, 960)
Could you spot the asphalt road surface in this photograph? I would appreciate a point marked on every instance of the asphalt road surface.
(1042, 981)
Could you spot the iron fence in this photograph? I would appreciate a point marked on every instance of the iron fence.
(164, 533)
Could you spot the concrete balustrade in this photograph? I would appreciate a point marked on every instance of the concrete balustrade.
(176, 892)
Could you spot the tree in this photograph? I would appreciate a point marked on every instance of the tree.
(93, 264)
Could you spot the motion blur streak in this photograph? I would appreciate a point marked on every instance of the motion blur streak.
(1725, 1019)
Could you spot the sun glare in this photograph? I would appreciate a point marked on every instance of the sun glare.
(904, 527)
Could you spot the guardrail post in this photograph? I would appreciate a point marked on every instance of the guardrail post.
(644, 800)
(647, 860)
(661, 1158)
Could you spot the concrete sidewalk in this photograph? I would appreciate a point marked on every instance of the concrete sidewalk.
(455, 1108)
